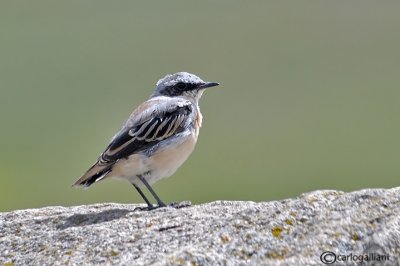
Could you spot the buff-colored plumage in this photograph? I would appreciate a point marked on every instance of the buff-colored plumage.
(157, 138)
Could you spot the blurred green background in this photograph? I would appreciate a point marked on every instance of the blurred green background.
(309, 97)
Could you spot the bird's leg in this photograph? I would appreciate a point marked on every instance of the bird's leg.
(149, 205)
(159, 201)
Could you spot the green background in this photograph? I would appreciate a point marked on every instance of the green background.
(309, 95)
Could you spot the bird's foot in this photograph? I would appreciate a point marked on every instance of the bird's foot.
(147, 208)
(151, 207)
(176, 205)
(179, 205)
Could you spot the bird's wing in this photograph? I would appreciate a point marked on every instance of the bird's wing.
(154, 124)
(149, 124)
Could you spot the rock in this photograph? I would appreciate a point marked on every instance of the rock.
(299, 231)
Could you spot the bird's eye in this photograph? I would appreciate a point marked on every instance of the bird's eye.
(181, 85)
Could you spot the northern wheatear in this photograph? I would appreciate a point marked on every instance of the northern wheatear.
(157, 137)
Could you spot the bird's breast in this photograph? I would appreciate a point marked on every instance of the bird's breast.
(198, 121)
(165, 161)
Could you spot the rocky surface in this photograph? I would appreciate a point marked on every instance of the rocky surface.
(288, 232)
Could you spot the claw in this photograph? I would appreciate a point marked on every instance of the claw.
(179, 205)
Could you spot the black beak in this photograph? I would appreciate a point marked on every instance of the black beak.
(208, 85)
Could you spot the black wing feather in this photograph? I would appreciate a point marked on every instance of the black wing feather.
(139, 133)
(146, 134)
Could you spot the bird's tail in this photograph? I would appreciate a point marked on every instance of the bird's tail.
(94, 174)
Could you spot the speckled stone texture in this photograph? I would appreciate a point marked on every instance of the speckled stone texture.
(288, 232)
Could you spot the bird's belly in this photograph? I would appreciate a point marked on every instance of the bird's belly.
(130, 167)
(165, 161)
(162, 163)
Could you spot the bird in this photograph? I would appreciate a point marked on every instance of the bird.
(156, 139)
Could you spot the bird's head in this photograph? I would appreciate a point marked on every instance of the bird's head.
(182, 84)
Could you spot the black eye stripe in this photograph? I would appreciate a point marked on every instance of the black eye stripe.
(178, 88)
(181, 85)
